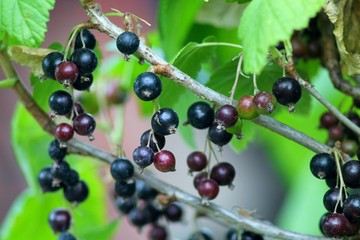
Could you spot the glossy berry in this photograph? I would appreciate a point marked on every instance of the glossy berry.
(144, 191)
(77, 193)
(84, 124)
(246, 108)
(143, 156)
(156, 142)
(66, 236)
(56, 152)
(331, 182)
(86, 37)
(83, 82)
(218, 136)
(323, 165)
(287, 91)
(165, 121)
(45, 180)
(200, 115)
(331, 198)
(246, 235)
(72, 178)
(334, 225)
(59, 220)
(125, 205)
(351, 208)
(157, 232)
(66, 73)
(199, 178)
(227, 115)
(125, 189)
(173, 212)
(223, 173)
(50, 62)
(264, 102)
(77, 109)
(64, 132)
(61, 102)
(60, 170)
(147, 86)
(85, 59)
(196, 161)
(208, 189)
(138, 217)
(164, 161)
(328, 120)
(351, 173)
(121, 169)
(127, 42)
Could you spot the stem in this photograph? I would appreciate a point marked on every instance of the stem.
(256, 89)
(238, 71)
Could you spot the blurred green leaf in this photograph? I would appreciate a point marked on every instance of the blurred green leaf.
(248, 132)
(103, 232)
(265, 23)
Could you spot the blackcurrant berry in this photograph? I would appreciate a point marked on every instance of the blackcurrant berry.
(334, 225)
(144, 191)
(60, 170)
(208, 189)
(125, 205)
(125, 189)
(246, 107)
(72, 178)
(84, 124)
(157, 232)
(232, 234)
(50, 62)
(199, 178)
(200, 115)
(336, 132)
(152, 213)
(264, 103)
(287, 92)
(351, 173)
(121, 169)
(61, 102)
(86, 37)
(196, 161)
(64, 132)
(164, 161)
(328, 120)
(331, 198)
(147, 86)
(77, 193)
(127, 42)
(143, 156)
(165, 121)
(299, 47)
(85, 59)
(66, 73)
(226, 116)
(77, 109)
(223, 173)
(156, 142)
(349, 147)
(138, 217)
(356, 102)
(66, 236)
(218, 136)
(323, 165)
(45, 180)
(331, 182)
(173, 212)
(351, 208)
(60, 220)
(247, 235)
(55, 151)
(83, 82)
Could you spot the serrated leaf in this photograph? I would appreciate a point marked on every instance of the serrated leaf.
(265, 23)
(25, 21)
(177, 13)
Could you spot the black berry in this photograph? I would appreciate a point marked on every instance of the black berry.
(323, 165)
(331, 199)
(72, 178)
(127, 42)
(328, 120)
(125, 205)
(173, 212)
(351, 173)
(208, 189)
(83, 82)
(50, 62)
(45, 180)
(165, 121)
(247, 235)
(223, 173)
(125, 189)
(200, 115)
(156, 142)
(84, 124)
(144, 191)
(147, 86)
(64, 132)
(85, 59)
(334, 225)
(60, 102)
(351, 208)
(138, 217)
(121, 169)
(77, 193)
(60, 170)
(87, 37)
(287, 91)
(59, 220)
(218, 136)
(199, 178)
(196, 161)
(157, 232)
(143, 156)
(227, 115)
(56, 152)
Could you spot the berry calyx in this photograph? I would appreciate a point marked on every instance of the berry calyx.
(143, 156)
(86, 37)
(50, 62)
(155, 141)
(227, 116)
(200, 115)
(218, 136)
(83, 82)
(85, 59)
(246, 108)
(64, 132)
(165, 121)
(196, 161)
(223, 173)
(164, 161)
(208, 189)
(66, 73)
(323, 166)
(84, 124)
(127, 42)
(147, 86)
(287, 92)
(59, 220)
(264, 103)
(61, 102)
(121, 169)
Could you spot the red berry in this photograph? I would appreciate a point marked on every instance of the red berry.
(208, 189)
(264, 102)
(246, 108)
(196, 161)
(334, 225)
(223, 173)
(227, 116)
(84, 124)
(64, 132)
(66, 73)
(164, 161)
(199, 178)
(328, 120)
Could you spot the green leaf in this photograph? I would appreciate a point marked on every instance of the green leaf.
(169, 16)
(265, 23)
(8, 83)
(248, 132)
(102, 232)
(25, 21)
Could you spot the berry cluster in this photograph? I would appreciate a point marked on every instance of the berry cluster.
(342, 219)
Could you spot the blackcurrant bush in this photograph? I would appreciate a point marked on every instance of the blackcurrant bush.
(334, 225)
(84, 124)
(143, 156)
(55, 151)
(173, 212)
(127, 42)
(227, 116)
(328, 120)
(165, 121)
(61, 102)
(264, 102)
(60, 170)
(323, 165)
(156, 142)
(66, 73)
(121, 169)
(246, 107)
(66, 236)
(64, 132)
(247, 235)
(157, 232)
(164, 161)
(200, 115)
(208, 189)
(147, 86)
(45, 180)
(223, 173)
(86, 37)
(144, 191)
(85, 59)
(199, 178)
(196, 161)
(218, 136)
(351, 208)
(71, 179)
(125, 205)
(50, 62)
(60, 220)
(351, 173)
(83, 82)
(125, 189)
(331, 199)
(287, 92)
(77, 193)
